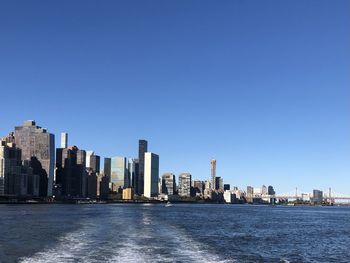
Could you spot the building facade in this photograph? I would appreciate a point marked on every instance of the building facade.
(184, 188)
(119, 174)
(71, 171)
(36, 141)
(168, 184)
(143, 148)
(213, 173)
(92, 161)
(151, 174)
(133, 168)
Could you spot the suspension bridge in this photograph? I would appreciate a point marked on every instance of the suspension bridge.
(328, 196)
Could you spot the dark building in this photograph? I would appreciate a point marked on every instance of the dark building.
(219, 183)
(270, 190)
(198, 187)
(317, 198)
(107, 167)
(133, 168)
(91, 184)
(140, 174)
(104, 187)
(16, 179)
(92, 161)
(71, 171)
(36, 141)
(227, 187)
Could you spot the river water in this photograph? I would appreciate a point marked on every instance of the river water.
(181, 233)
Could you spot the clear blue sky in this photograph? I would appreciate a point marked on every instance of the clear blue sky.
(262, 86)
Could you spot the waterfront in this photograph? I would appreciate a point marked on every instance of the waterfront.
(182, 233)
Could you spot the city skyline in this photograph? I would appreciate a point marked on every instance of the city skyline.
(261, 87)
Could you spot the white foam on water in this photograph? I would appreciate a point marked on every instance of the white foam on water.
(71, 247)
(192, 251)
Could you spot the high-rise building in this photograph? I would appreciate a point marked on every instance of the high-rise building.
(185, 184)
(64, 140)
(168, 184)
(143, 145)
(91, 184)
(213, 173)
(151, 174)
(317, 198)
(35, 141)
(92, 161)
(250, 194)
(119, 175)
(11, 180)
(219, 183)
(133, 168)
(107, 167)
(71, 171)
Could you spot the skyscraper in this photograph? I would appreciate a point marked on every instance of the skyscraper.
(107, 167)
(142, 150)
(151, 174)
(71, 171)
(213, 173)
(185, 180)
(64, 140)
(35, 141)
(10, 170)
(168, 184)
(219, 183)
(92, 161)
(119, 175)
(133, 168)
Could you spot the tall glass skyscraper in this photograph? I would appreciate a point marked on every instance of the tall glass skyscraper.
(35, 141)
(133, 168)
(119, 175)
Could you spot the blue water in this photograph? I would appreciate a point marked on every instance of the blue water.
(182, 233)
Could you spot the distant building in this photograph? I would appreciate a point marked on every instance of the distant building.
(119, 173)
(270, 190)
(219, 183)
(64, 140)
(128, 194)
(71, 171)
(228, 196)
(143, 146)
(213, 173)
(198, 187)
(92, 161)
(11, 179)
(107, 167)
(227, 187)
(104, 187)
(168, 184)
(133, 169)
(184, 188)
(317, 198)
(151, 174)
(250, 194)
(35, 141)
(91, 184)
